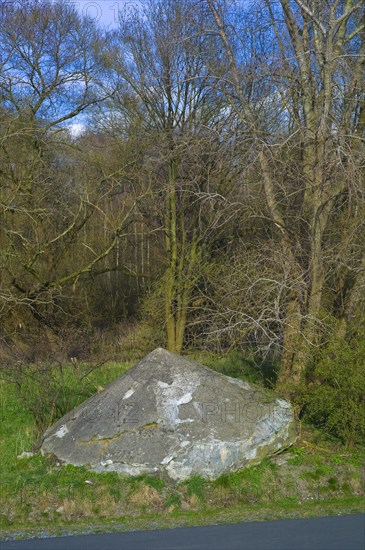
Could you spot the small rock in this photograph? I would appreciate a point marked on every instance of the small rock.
(26, 454)
(106, 462)
(88, 481)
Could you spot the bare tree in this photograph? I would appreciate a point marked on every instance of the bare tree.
(50, 74)
(313, 67)
(168, 101)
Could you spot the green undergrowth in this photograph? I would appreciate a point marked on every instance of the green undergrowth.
(237, 365)
(316, 477)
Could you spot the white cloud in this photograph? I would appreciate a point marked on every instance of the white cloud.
(76, 129)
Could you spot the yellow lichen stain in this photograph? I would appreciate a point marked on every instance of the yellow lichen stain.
(223, 453)
(150, 425)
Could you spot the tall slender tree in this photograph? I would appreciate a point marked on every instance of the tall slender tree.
(168, 99)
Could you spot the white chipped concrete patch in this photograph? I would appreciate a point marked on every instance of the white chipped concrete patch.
(162, 384)
(185, 399)
(167, 459)
(211, 458)
(128, 394)
(131, 391)
(169, 397)
(108, 462)
(126, 469)
(62, 431)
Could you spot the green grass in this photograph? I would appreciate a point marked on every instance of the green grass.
(195, 486)
(318, 477)
(237, 365)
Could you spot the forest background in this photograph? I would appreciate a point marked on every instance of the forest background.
(194, 179)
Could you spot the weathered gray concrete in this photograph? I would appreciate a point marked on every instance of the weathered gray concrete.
(170, 415)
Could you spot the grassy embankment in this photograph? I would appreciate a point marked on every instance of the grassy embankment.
(316, 477)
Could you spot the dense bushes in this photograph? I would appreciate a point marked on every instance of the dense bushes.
(336, 400)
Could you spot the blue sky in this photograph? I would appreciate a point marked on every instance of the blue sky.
(105, 12)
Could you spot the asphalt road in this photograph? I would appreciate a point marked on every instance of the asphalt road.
(328, 533)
